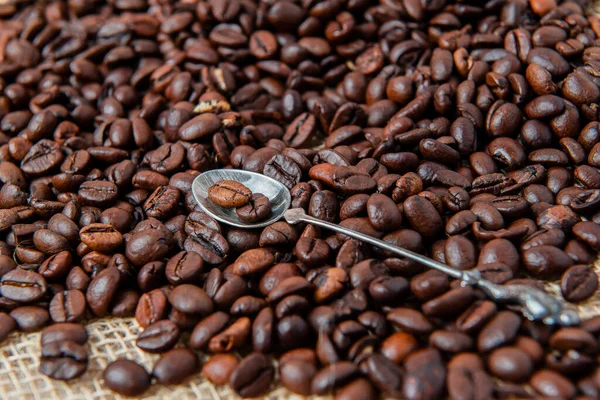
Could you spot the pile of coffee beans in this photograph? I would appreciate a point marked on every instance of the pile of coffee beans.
(466, 130)
(249, 207)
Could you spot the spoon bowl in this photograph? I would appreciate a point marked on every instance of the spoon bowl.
(278, 195)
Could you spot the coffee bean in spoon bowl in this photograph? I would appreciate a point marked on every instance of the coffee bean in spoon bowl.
(257, 209)
(226, 193)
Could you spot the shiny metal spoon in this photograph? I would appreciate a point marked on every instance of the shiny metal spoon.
(535, 304)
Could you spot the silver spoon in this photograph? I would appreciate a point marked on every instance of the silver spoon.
(535, 304)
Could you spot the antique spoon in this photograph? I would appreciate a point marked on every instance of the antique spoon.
(535, 304)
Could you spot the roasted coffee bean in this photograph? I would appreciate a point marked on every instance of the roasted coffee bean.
(63, 360)
(64, 332)
(207, 328)
(219, 367)
(283, 169)
(68, 306)
(384, 374)
(333, 376)
(312, 252)
(279, 233)
(546, 261)
(296, 376)
(501, 330)
(158, 337)
(101, 237)
(579, 282)
(152, 307)
(126, 377)
(175, 366)
(425, 375)
(190, 299)
(451, 302)
(422, 216)
(253, 261)
(229, 194)
(49, 242)
(184, 267)
(383, 213)
(359, 387)
(98, 193)
(30, 318)
(410, 321)
(232, 337)
(7, 326)
(510, 363)
(102, 289)
(257, 209)
(22, 285)
(252, 376)
(549, 383)
(451, 342)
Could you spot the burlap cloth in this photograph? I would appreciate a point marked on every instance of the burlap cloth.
(113, 338)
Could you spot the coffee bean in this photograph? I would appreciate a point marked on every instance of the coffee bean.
(253, 261)
(207, 328)
(190, 299)
(384, 374)
(284, 170)
(296, 376)
(30, 318)
(358, 388)
(64, 332)
(573, 339)
(219, 367)
(549, 383)
(452, 342)
(63, 360)
(546, 261)
(22, 285)
(257, 209)
(410, 321)
(579, 282)
(422, 216)
(312, 252)
(383, 213)
(501, 330)
(229, 194)
(425, 375)
(7, 325)
(49, 242)
(451, 302)
(301, 129)
(175, 366)
(98, 193)
(126, 377)
(510, 363)
(68, 306)
(158, 337)
(252, 376)
(102, 289)
(162, 203)
(333, 376)
(101, 237)
(152, 307)
(184, 267)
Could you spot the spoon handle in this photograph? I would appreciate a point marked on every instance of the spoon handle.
(375, 242)
(535, 304)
